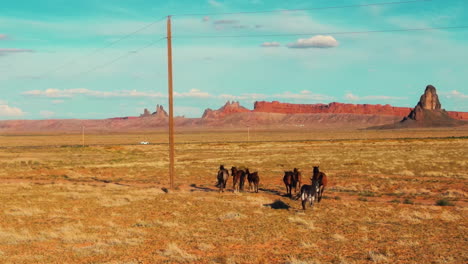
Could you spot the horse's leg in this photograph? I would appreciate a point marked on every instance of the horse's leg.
(321, 193)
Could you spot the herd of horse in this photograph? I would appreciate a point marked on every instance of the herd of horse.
(292, 180)
(238, 179)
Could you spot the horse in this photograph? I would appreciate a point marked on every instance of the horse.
(253, 179)
(238, 177)
(308, 194)
(223, 176)
(321, 179)
(289, 182)
(242, 180)
(297, 178)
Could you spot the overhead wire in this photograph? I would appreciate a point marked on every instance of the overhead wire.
(301, 9)
(126, 36)
(127, 54)
(321, 33)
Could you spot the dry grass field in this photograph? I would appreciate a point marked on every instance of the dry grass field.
(393, 197)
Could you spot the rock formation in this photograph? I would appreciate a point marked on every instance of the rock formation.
(331, 108)
(428, 112)
(160, 112)
(227, 109)
(429, 101)
(146, 113)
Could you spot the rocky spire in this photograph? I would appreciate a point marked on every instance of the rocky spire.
(160, 112)
(428, 101)
(146, 113)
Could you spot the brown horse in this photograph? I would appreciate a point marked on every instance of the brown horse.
(322, 180)
(289, 182)
(253, 179)
(238, 179)
(223, 176)
(297, 178)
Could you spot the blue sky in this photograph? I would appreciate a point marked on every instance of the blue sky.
(56, 62)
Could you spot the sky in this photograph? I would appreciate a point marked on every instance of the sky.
(107, 58)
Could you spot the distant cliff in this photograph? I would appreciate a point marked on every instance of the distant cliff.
(340, 108)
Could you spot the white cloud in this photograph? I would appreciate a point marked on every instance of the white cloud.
(69, 93)
(304, 95)
(193, 93)
(456, 94)
(10, 51)
(318, 41)
(215, 3)
(9, 111)
(3, 36)
(352, 97)
(225, 22)
(58, 101)
(270, 44)
(206, 19)
(250, 97)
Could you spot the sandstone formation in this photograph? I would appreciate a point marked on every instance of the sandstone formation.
(428, 112)
(146, 113)
(331, 108)
(160, 112)
(228, 109)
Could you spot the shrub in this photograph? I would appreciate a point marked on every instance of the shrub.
(444, 202)
(408, 201)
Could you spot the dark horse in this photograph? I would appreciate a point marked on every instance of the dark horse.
(289, 182)
(297, 179)
(321, 179)
(308, 194)
(238, 179)
(253, 179)
(223, 176)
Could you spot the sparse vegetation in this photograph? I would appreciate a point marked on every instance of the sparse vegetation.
(408, 201)
(108, 204)
(444, 202)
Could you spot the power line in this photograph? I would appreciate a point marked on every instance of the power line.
(127, 54)
(61, 66)
(304, 9)
(321, 33)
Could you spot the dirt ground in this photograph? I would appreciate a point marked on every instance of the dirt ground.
(393, 197)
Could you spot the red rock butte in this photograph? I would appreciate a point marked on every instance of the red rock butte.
(331, 108)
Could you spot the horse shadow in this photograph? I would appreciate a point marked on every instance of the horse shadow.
(278, 204)
(201, 188)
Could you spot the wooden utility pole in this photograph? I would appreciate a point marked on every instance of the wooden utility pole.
(171, 105)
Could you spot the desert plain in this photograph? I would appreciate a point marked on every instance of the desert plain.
(394, 196)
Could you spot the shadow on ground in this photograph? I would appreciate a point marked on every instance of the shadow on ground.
(202, 188)
(278, 204)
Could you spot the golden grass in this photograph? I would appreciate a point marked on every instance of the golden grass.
(104, 204)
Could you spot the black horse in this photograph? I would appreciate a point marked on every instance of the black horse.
(223, 176)
(308, 194)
